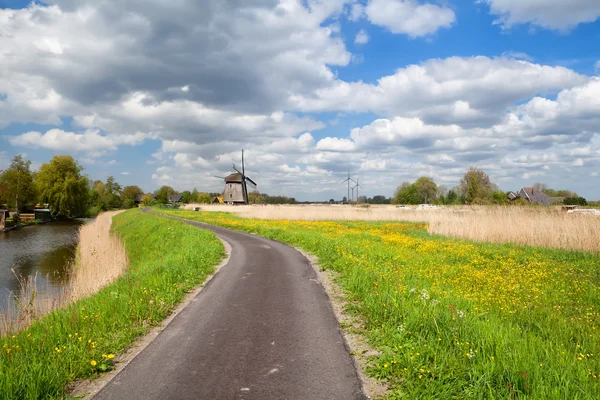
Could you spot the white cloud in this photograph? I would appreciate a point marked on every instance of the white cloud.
(466, 91)
(125, 173)
(362, 37)
(91, 141)
(409, 16)
(335, 144)
(550, 14)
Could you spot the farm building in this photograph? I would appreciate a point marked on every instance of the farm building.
(175, 199)
(535, 196)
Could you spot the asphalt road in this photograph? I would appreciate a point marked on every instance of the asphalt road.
(262, 328)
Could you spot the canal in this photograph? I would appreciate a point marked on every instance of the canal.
(46, 250)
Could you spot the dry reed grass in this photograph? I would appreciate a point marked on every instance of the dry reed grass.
(537, 226)
(100, 259)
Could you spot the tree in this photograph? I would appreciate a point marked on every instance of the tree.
(345, 199)
(406, 194)
(255, 198)
(452, 197)
(148, 200)
(61, 184)
(186, 197)
(131, 193)
(476, 187)
(575, 201)
(17, 185)
(204, 198)
(111, 195)
(162, 194)
(426, 190)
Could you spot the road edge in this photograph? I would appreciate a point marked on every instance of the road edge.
(88, 388)
(356, 342)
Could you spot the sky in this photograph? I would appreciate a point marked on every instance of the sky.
(160, 92)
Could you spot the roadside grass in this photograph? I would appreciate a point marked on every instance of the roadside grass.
(167, 259)
(455, 319)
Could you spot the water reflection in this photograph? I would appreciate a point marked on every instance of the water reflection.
(46, 249)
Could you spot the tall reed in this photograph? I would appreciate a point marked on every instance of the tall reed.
(536, 226)
(100, 259)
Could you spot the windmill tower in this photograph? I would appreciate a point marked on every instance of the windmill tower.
(236, 186)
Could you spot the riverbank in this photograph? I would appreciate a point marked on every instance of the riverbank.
(82, 340)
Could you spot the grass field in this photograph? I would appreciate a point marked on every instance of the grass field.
(81, 340)
(457, 319)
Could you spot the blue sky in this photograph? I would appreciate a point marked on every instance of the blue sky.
(390, 89)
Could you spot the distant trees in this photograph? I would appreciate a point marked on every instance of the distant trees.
(476, 187)
(278, 199)
(129, 194)
(186, 197)
(203, 198)
(542, 187)
(61, 184)
(575, 201)
(162, 194)
(255, 198)
(148, 200)
(17, 185)
(379, 199)
(423, 191)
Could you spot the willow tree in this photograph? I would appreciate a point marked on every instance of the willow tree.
(61, 184)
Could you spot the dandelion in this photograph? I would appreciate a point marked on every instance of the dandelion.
(93, 363)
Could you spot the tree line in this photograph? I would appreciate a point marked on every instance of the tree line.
(475, 187)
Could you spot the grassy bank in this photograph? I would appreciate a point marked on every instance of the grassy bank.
(167, 259)
(456, 319)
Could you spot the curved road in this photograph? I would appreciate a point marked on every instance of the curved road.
(262, 328)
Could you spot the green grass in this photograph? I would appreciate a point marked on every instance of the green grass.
(167, 259)
(455, 319)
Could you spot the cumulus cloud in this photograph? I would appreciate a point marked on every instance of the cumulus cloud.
(473, 90)
(550, 14)
(362, 37)
(91, 141)
(409, 17)
(217, 51)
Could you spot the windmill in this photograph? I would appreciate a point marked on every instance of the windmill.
(236, 185)
(356, 187)
(348, 180)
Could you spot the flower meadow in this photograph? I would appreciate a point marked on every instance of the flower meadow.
(453, 319)
(85, 338)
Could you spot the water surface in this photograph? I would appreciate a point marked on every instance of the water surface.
(46, 249)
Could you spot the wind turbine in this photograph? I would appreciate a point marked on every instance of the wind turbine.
(356, 187)
(348, 180)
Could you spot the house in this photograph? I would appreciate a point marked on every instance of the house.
(217, 200)
(175, 199)
(535, 196)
